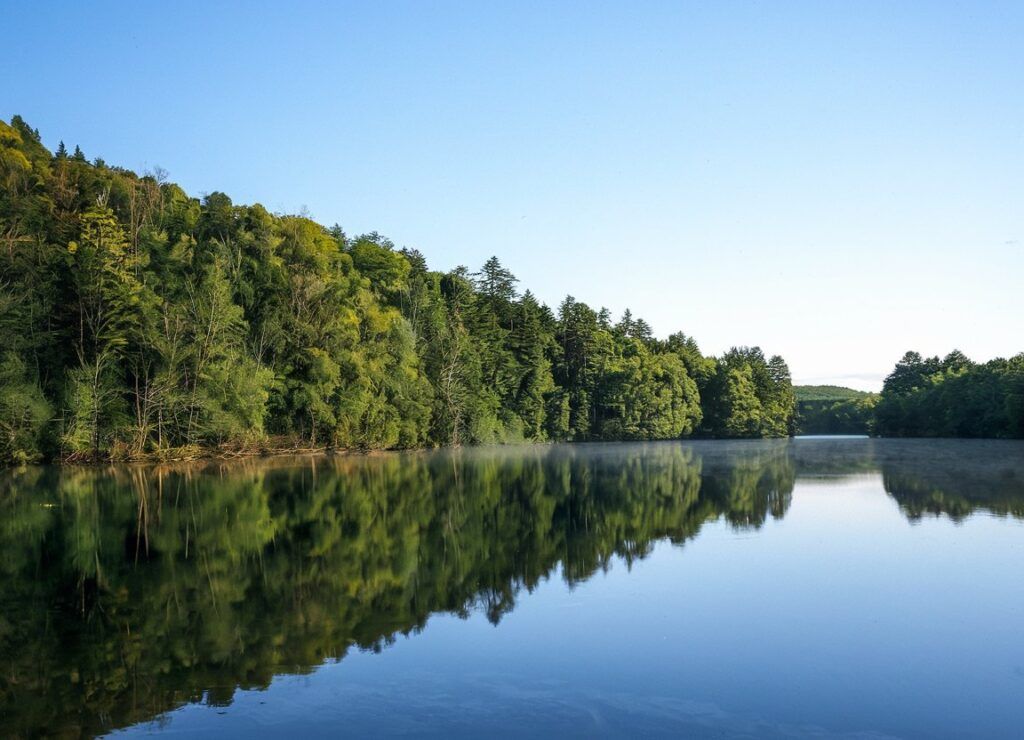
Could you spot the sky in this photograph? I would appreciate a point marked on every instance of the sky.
(833, 182)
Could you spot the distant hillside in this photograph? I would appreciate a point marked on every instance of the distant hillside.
(826, 393)
(832, 409)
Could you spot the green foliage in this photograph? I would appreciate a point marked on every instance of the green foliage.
(952, 397)
(833, 409)
(749, 396)
(844, 416)
(739, 405)
(24, 412)
(648, 396)
(826, 393)
(150, 322)
(81, 434)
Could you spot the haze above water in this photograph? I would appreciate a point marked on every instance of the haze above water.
(804, 588)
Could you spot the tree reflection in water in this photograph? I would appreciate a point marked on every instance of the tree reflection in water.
(129, 591)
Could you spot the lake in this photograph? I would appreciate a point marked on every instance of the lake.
(790, 588)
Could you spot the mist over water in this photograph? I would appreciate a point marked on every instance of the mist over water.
(809, 587)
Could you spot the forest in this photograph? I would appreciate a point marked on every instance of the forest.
(138, 321)
(923, 397)
(831, 409)
(952, 397)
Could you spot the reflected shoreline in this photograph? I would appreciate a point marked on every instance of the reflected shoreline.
(135, 589)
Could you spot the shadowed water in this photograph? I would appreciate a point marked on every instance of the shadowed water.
(804, 588)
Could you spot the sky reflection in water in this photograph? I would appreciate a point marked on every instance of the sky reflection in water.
(861, 588)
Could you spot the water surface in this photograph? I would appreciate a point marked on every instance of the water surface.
(805, 588)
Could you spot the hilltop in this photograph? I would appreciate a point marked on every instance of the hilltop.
(827, 393)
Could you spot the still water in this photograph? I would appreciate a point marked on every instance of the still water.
(803, 588)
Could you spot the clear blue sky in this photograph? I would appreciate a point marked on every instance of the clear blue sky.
(836, 182)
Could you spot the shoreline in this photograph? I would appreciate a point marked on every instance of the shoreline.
(203, 454)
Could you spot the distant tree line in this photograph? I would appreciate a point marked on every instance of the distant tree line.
(138, 321)
(923, 397)
(849, 416)
(831, 409)
(952, 397)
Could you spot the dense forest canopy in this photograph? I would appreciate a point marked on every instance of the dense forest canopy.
(952, 397)
(137, 320)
